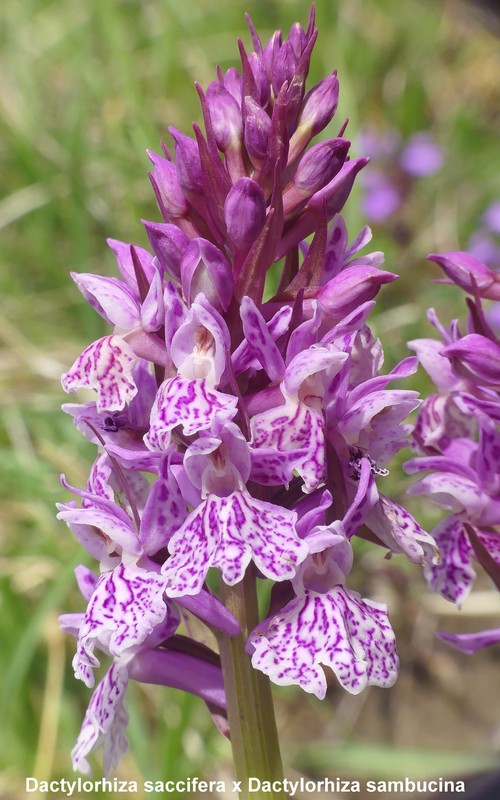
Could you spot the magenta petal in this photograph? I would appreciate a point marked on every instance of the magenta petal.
(153, 309)
(106, 366)
(104, 723)
(200, 344)
(311, 362)
(181, 671)
(469, 273)
(453, 492)
(475, 357)
(209, 609)
(429, 352)
(336, 629)
(205, 269)
(259, 338)
(164, 512)
(471, 642)
(123, 253)
(86, 581)
(100, 531)
(401, 533)
(111, 298)
(272, 467)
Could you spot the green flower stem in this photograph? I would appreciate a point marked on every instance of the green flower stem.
(254, 737)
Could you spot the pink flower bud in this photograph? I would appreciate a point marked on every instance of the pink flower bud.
(244, 211)
(171, 200)
(225, 114)
(318, 109)
(168, 244)
(204, 269)
(188, 162)
(351, 288)
(257, 129)
(320, 164)
(468, 273)
(475, 357)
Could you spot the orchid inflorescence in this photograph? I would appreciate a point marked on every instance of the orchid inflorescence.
(459, 443)
(244, 430)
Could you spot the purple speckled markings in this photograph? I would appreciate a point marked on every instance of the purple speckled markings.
(106, 366)
(335, 629)
(105, 722)
(227, 533)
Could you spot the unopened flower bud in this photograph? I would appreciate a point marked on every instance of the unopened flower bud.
(320, 164)
(244, 211)
(187, 158)
(171, 200)
(225, 115)
(231, 81)
(475, 357)
(257, 129)
(318, 108)
(297, 38)
(336, 191)
(169, 245)
(204, 269)
(351, 288)
(285, 67)
(469, 273)
(260, 77)
(270, 53)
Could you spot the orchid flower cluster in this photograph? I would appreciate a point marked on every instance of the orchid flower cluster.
(458, 441)
(242, 419)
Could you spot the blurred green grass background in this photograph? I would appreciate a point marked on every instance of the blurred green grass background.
(85, 88)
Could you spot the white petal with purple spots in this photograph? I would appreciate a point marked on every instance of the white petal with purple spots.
(400, 531)
(454, 575)
(104, 723)
(291, 428)
(126, 606)
(189, 403)
(336, 629)
(227, 532)
(106, 366)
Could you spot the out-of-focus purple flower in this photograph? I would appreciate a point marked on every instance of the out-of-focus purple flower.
(484, 243)
(382, 197)
(421, 156)
(394, 166)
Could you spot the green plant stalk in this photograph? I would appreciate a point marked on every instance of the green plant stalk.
(254, 736)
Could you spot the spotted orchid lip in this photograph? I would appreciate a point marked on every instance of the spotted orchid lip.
(336, 629)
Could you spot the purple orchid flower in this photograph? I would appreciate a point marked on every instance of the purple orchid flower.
(396, 166)
(327, 624)
(458, 438)
(240, 433)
